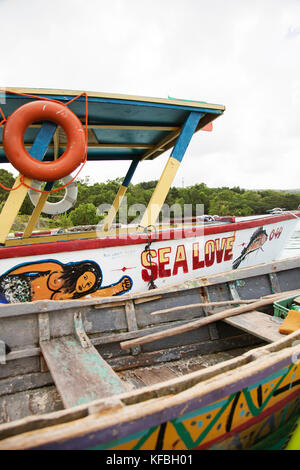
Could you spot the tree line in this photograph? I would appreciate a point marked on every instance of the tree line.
(221, 201)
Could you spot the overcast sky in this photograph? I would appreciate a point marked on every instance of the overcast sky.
(244, 54)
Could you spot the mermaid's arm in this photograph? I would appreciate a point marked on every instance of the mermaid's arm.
(124, 285)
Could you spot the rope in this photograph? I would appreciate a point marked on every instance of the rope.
(289, 212)
(285, 212)
(151, 284)
(22, 182)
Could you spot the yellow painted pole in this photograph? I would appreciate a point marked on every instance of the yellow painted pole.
(160, 193)
(114, 207)
(35, 215)
(37, 210)
(11, 208)
(43, 196)
(120, 194)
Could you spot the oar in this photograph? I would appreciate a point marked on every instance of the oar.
(203, 304)
(204, 321)
(220, 303)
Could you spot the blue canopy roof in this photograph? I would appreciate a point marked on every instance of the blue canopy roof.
(120, 127)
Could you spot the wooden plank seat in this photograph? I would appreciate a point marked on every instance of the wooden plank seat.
(80, 374)
(258, 324)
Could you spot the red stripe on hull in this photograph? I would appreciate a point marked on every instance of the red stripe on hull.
(134, 239)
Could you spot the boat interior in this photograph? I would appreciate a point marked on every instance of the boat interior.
(47, 345)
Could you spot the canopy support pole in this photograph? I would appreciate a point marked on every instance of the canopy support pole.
(120, 194)
(37, 210)
(162, 188)
(16, 198)
(43, 196)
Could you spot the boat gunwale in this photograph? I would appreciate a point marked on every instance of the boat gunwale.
(42, 245)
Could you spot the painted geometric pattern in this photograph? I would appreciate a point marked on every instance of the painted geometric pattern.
(234, 422)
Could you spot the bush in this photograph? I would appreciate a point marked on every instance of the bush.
(84, 214)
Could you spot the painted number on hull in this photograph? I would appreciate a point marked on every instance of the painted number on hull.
(275, 233)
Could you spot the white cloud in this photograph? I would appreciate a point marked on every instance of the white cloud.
(244, 55)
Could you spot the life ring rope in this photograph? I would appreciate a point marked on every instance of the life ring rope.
(4, 120)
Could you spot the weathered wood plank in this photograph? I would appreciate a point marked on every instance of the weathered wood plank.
(36, 401)
(258, 324)
(212, 327)
(155, 375)
(2, 352)
(80, 374)
(131, 321)
(21, 383)
(170, 354)
(274, 282)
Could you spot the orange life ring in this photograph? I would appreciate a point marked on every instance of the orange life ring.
(13, 140)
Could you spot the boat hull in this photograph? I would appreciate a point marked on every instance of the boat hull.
(235, 410)
(236, 421)
(129, 263)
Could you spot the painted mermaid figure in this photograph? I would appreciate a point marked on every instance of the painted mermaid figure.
(53, 280)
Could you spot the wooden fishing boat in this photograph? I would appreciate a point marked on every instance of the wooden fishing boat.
(110, 373)
(66, 129)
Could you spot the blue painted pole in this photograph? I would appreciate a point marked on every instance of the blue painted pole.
(186, 134)
(42, 140)
(130, 173)
(41, 143)
(120, 194)
(162, 188)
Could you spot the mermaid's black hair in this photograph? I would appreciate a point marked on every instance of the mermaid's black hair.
(72, 271)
